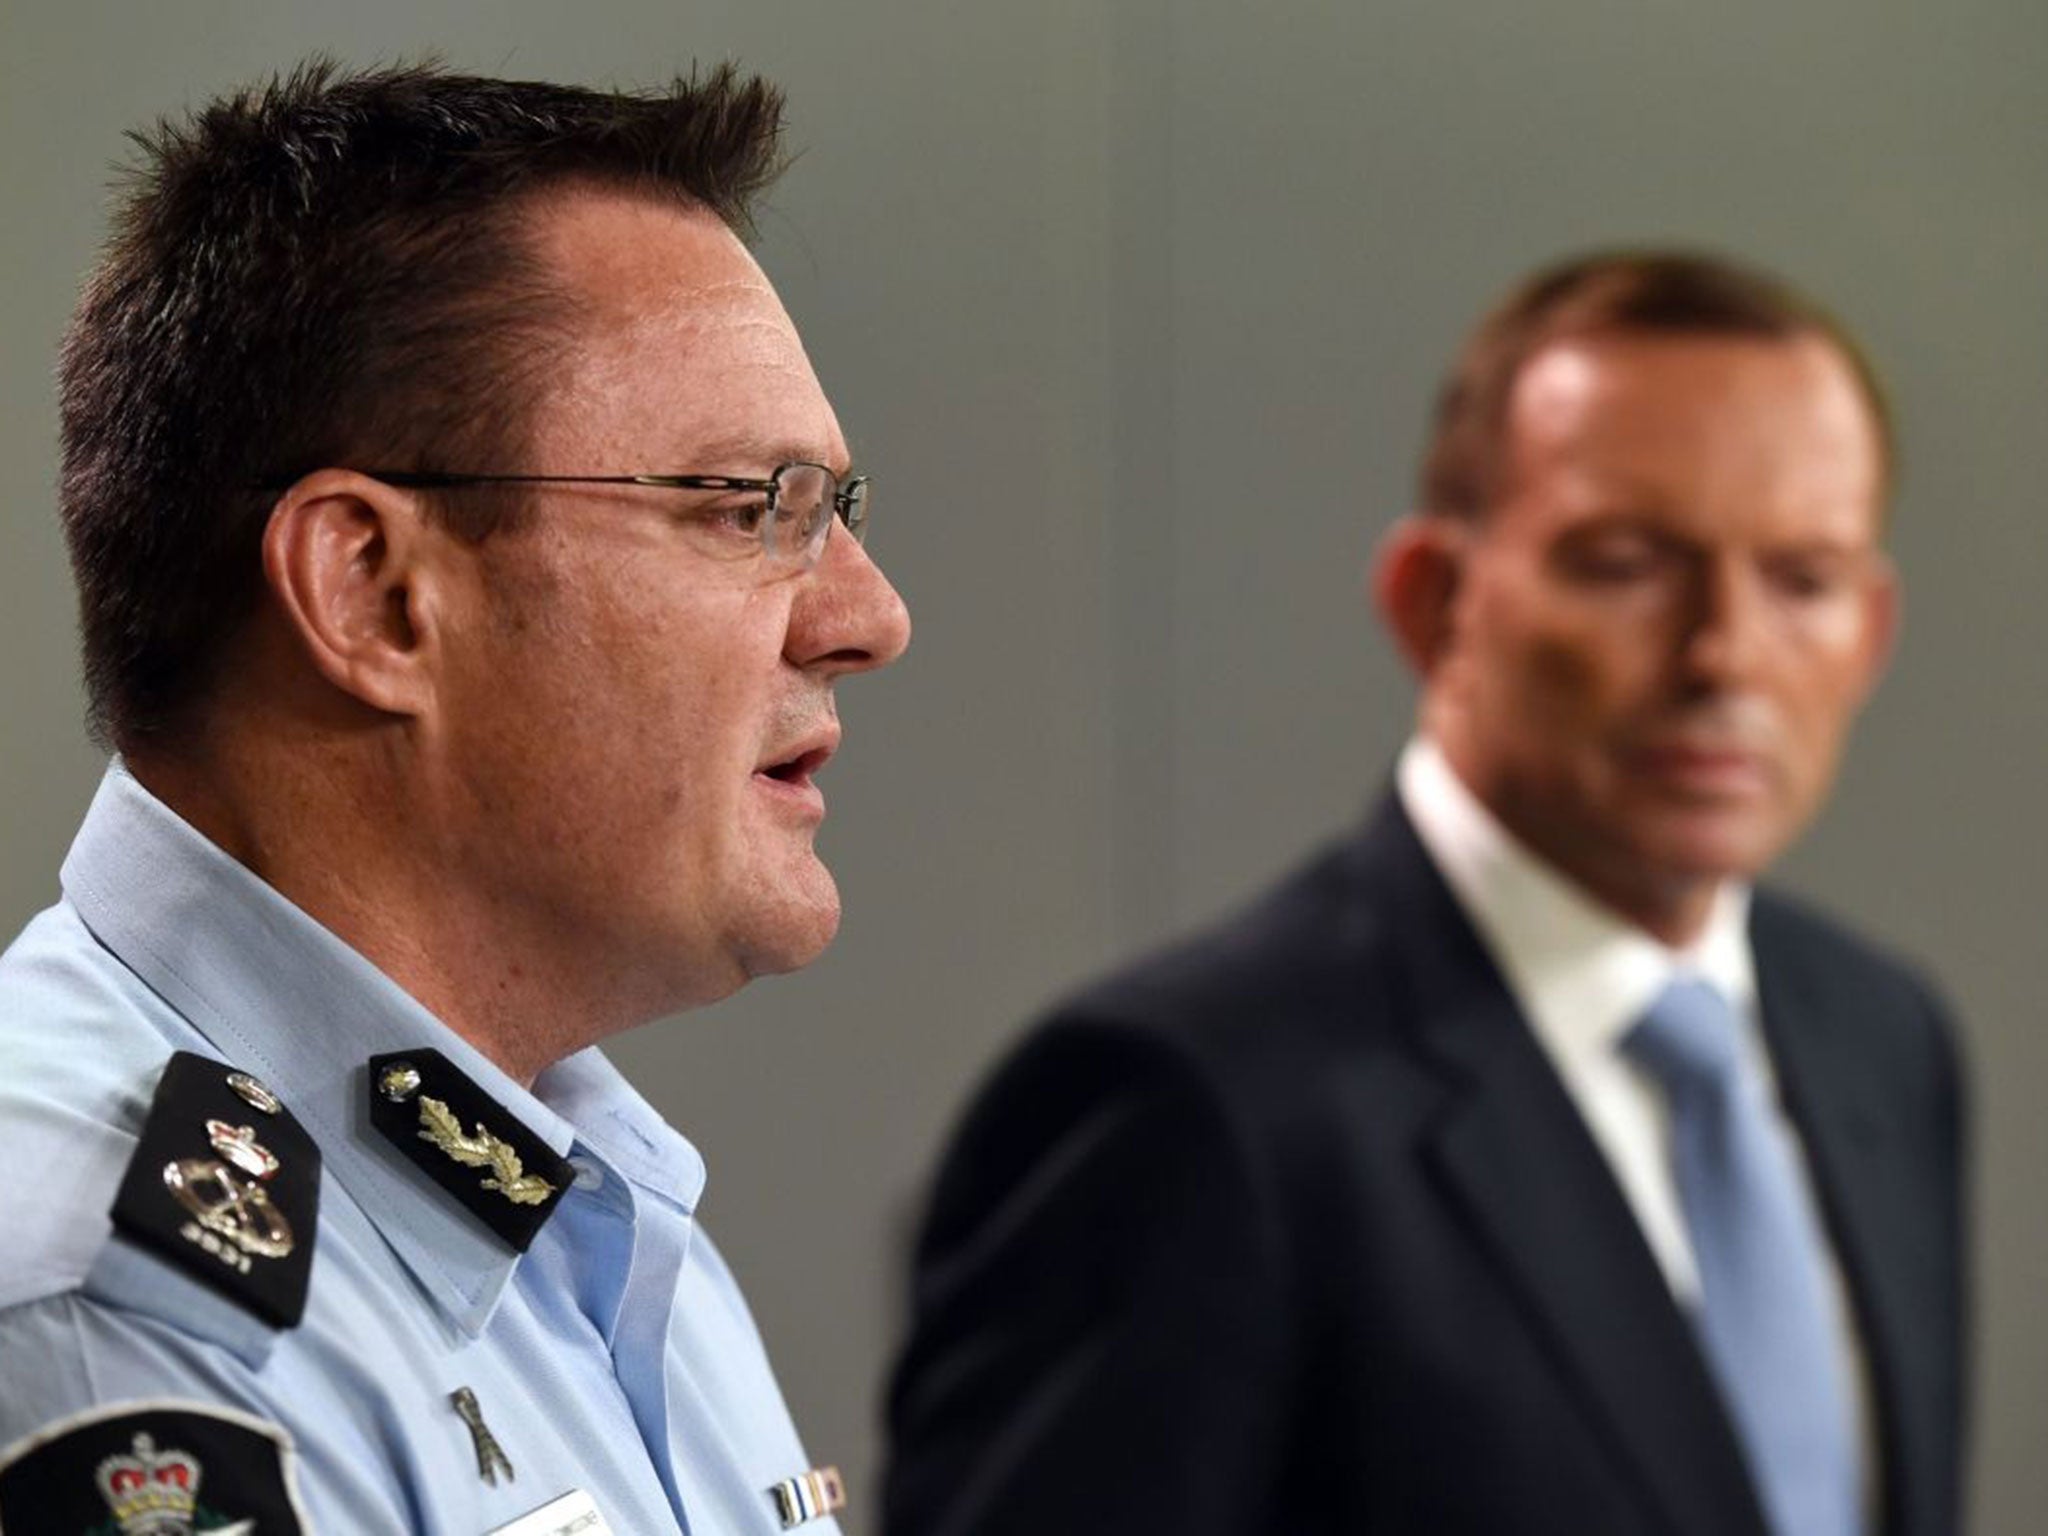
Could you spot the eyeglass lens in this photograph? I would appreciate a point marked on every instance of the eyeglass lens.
(806, 497)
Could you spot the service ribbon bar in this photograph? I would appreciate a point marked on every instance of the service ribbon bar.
(808, 1496)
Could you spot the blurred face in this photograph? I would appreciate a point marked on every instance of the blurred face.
(1660, 636)
(637, 706)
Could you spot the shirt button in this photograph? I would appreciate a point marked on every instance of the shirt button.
(588, 1174)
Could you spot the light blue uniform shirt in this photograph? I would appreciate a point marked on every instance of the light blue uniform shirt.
(615, 1356)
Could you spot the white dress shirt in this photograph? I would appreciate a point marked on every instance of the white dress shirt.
(1582, 976)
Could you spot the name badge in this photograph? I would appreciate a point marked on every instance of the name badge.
(573, 1514)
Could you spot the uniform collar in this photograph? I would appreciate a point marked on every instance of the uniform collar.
(280, 996)
(1582, 973)
(621, 1129)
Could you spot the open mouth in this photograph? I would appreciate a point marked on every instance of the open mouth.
(799, 769)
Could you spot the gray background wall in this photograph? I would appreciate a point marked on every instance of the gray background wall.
(1133, 309)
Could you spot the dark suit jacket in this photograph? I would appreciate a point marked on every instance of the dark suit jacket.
(1295, 1230)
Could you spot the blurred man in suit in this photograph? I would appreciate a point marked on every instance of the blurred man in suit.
(1515, 1166)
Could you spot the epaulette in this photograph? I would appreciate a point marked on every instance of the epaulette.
(225, 1185)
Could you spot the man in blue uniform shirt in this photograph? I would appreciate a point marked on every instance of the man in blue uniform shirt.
(467, 556)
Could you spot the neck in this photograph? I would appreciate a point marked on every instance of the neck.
(1673, 908)
(1676, 917)
(348, 841)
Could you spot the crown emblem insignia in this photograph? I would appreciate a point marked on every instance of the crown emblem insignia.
(151, 1492)
(238, 1144)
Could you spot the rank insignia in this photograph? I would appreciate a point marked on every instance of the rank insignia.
(155, 1468)
(467, 1142)
(232, 1203)
(809, 1496)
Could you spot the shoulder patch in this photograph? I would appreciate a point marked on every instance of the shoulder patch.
(225, 1184)
(156, 1466)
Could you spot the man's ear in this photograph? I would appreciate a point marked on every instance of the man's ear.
(1414, 581)
(351, 563)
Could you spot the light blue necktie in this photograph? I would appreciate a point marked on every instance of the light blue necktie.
(1763, 1318)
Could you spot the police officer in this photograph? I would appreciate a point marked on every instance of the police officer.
(467, 555)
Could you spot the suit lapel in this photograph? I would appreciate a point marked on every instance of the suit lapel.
(1516, 1159)
(1835, 1090)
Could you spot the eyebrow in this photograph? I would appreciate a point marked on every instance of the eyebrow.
(1623, 486)
(724, 454)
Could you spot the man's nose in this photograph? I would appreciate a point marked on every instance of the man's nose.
(848, 617)
(1727, 623)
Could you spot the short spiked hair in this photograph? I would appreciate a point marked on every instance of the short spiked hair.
(331, 268)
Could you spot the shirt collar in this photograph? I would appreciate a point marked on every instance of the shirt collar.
(280, 996)
(619, 1127)
(1582, 973)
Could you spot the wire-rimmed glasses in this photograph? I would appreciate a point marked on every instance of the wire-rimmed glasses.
(792, 520)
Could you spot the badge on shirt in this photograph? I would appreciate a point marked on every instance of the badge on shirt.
(225, 1185)
(573, 1514)
(467, 1142)
(154, 1468)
